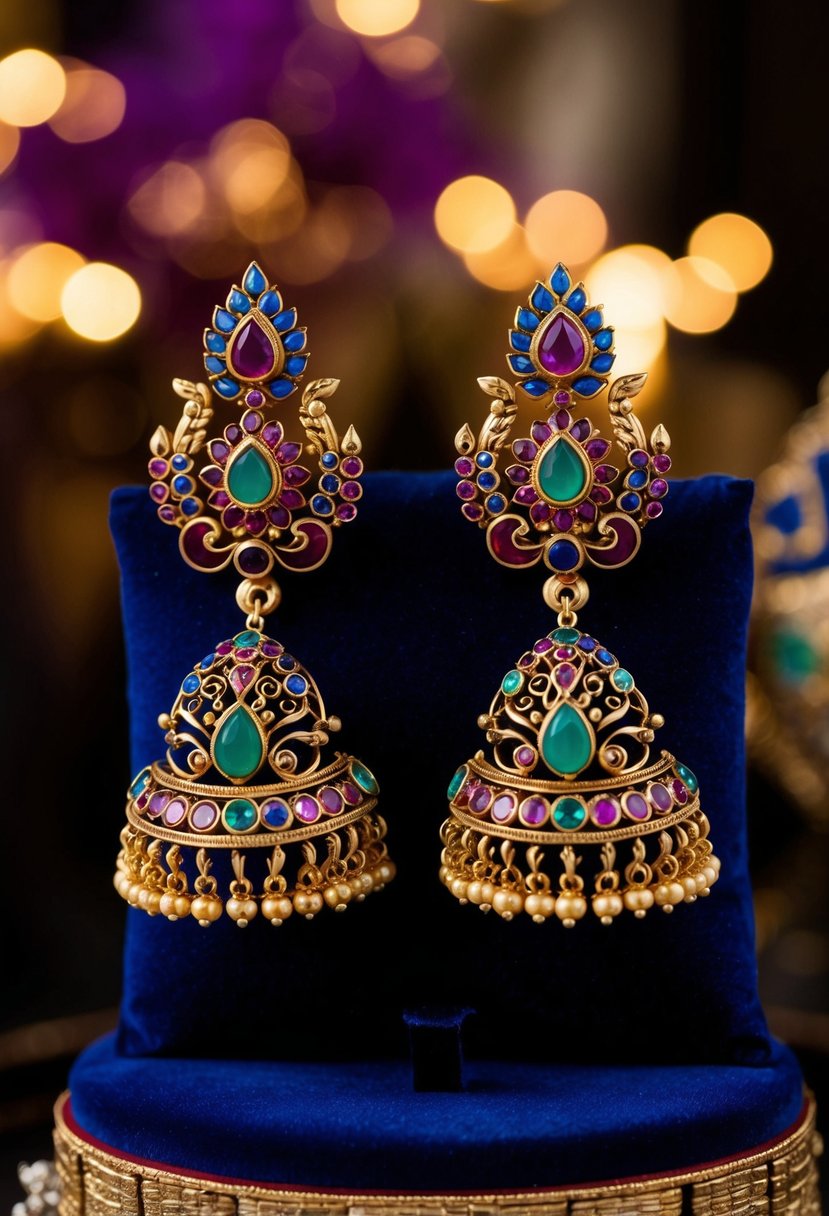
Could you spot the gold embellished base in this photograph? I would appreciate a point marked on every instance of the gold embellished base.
(775, 1179)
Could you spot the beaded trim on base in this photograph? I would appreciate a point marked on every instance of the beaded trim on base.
(777, 1178)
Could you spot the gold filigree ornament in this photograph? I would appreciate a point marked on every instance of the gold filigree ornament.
(248, 771)
(570, 776)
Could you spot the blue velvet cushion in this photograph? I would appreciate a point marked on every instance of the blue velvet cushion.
(408, 631)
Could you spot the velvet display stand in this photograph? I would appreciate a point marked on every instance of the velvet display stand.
(278, 1055)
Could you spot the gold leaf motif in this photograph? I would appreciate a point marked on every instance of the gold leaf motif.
(161, 441)
(660, 439)
(465, 440)
(352, 444)
(326, 387)
(627, 386)
(496, 387)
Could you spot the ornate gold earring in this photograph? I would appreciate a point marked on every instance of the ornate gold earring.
(570, 733)
(246, 771)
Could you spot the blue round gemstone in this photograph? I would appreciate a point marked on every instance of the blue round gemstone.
(183, 485)
(329, 460)
(487, 481)
(330, 482)
(496, 503)
(207, 660)
(296, 684)
(191, 683)
(630, 502)
(484, 460)
(563, 555)
(321, 504)
(638, 479)
(604, 656)
(190, 506)
(179, 462)
(286, 662)
(587, 644)
(275, 813)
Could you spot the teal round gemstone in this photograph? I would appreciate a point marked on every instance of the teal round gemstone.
(569, 814)
(249, 637)
(364, 777)
(139, 783)
(793, 655)
(622, 680)
(688, 777)
(566, 636)
(511, 682)
(456, 782)
(239, 815)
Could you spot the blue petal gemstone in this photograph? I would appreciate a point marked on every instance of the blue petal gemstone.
(183, 485)
(217, 366)
(519, 341)
(270, 303)
(226, 387)
(559, 280)
(630, 502)
(592, 320)
(525, 319)
(321, 505)
(207, 660)
(224, 321)
(286, 662)
(294, 341)
(214, 342)
(484, 460)
(329, 460)
(603, 339)
(541, 299)
(638, 479)
(604, 656)
(237, 301)
(281, 387)
(587, 644)
(487, 481)
(563, 555)
(496, 503)
(330, 482)
(190, 683)
(254, 281)
(577, 300)
(536, 387)
(285, 320)
(295, 366)
(190, 506)
(587, 386)
(180, 462)
(296, 684)
(521, 364)
(602, 363)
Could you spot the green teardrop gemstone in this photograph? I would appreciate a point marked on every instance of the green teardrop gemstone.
(566, 741)
(688, 777)
(562, 475)
(250, 478)
(238, 750)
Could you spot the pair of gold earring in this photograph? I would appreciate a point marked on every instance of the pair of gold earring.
(247, 769)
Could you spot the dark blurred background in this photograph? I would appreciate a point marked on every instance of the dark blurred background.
(404, 169)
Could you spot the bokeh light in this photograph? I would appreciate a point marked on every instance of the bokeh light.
(9, 144)
(377, 18)
(509, 266)
(406, 56)
(101, 302)
(14, 327)
(32, 87)
(170, 201)
(699, 295)
(93, 106)
(566, 226)
(37, 277)
(474, 214)
(630, 285)
(735, 243)
(250, 161)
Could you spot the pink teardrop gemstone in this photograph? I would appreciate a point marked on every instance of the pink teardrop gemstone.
(240, 677)
(252, 355)
(561, 347)
(564, 674)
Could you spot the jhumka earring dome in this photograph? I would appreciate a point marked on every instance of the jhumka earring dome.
(248, 770)
(569, 771)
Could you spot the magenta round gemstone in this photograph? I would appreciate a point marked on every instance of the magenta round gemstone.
(224, 648)
(272, 649)
(605, 472)
(253, 561)
(351, 490)
(526, 660)
(587, 511)
(533, 811)
(464, 467)
(600, 494)
(352, 466)
(292, 499)
(541, 432)
(565, 652)
(157, 803)
(279, 516)
(636, 806)
(543, 644)
(203, 816)
(526, 495)
(158, 491)
(524, 449)
(211, 476)
(245, 653)
(565, 674)
(256, 522)
(252, 356)
(233, 433)
(174, 812)
(254, 398)
(142, 800)
(465, 490)
(479, 799)
(596, 449)
(653, 510)
(272, 434)
(346, 511)
(470, 510)
(605, 812)
(296, 475)
(220, 498)
(234, 517)
(288, 452)
(563, 419)
(562, 398)
(561, 349)
(563, 520)
(306, 808)
(219, 451)
(658, 488)
(660, 796)
(352, 794)
(524, 756)
(167, 513)
(158, 468)
(662, 462)
(503, 808)
(540, 512)
(251, 421)
(518, 475)
(680, 791)
(331, 799)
